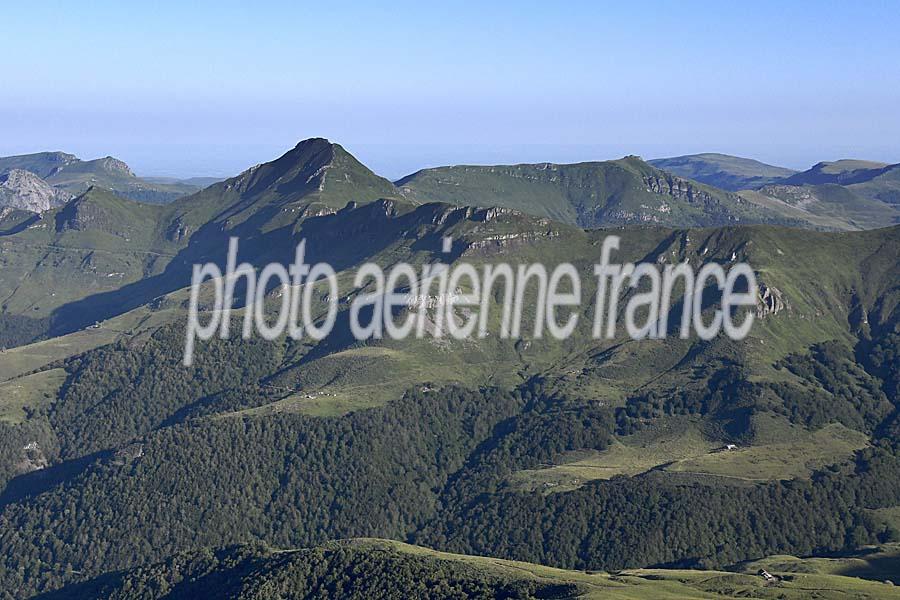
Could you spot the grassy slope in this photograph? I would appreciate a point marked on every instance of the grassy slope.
(817, 273)
(32, 391)
(816, 219)
(723, 171)
(675, 446)
(96, 243)
(294, 572)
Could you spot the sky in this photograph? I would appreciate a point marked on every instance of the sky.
(210, 88)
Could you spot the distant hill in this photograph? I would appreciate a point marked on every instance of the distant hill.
(42, 164)
(844, 206)
(149, 246)
(845, 194)
(842, 172)
(591, 194)
(200, 182)
(723, 171)
(72, 176)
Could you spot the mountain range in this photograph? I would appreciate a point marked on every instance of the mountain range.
(696, 190)
(121, 469)
(842, 195)
(67, 176)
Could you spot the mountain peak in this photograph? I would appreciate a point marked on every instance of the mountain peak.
(114, 166)
(314, 141)
(314, 167)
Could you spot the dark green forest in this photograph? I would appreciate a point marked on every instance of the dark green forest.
(173, 472)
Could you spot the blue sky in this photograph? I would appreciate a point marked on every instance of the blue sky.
(195, 88)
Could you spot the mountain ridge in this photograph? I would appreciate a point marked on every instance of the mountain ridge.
(589, 194)
(71, 176)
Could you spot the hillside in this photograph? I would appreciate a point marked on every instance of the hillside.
(884, 186)
(96, 243)
(841, 207)
(625, 191)
(369, 568)
(723, 171)
(456, 444)
(71, 176)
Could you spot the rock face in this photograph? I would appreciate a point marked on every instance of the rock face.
(769, 301)
(32, 459)
(114, 166)
(681, 189)
(26, 191)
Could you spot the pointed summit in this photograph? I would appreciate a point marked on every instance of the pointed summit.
(316, 169)
(315, 177)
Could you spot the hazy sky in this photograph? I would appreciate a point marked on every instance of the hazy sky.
(209, 88)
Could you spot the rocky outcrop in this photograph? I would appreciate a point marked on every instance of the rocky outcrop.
(769, 301)
(178, 230)
(492, 244)
(26, 191)
(128, 454)
(32, 459)
(487, 215)
(679, 188)
(794, 195)
(114, 166)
